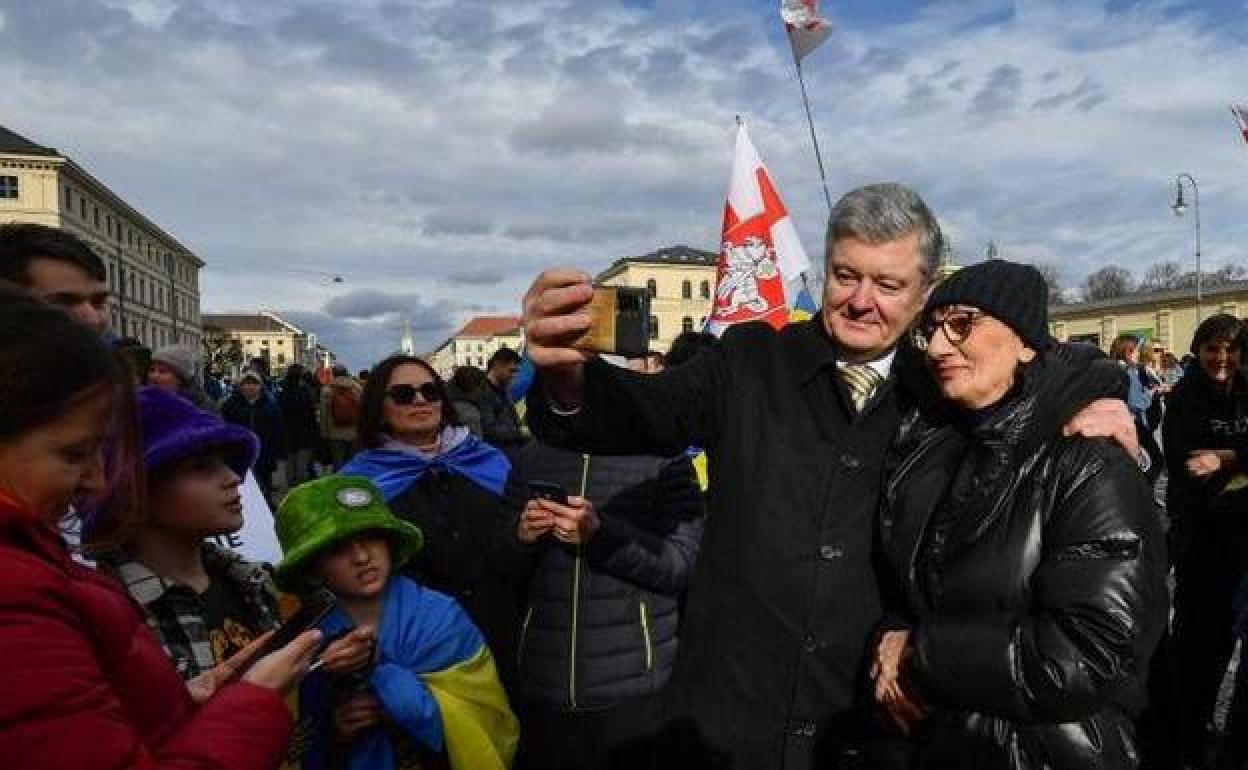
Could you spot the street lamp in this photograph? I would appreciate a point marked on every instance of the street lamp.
(1180, 208)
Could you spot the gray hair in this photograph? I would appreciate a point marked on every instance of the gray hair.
(881, 213)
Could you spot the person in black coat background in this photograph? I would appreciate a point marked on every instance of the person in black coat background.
(251, 406)
(298, 399)
(460, 491)
(1030, 567)
(601, 630)
(1205, 433)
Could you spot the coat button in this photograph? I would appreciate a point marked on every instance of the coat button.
(830, 552)
(850, 462)
(810, 644)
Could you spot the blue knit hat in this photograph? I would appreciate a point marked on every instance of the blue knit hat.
(173, 429)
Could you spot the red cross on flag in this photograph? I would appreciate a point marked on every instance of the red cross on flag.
(761, 259)
(1241, 117)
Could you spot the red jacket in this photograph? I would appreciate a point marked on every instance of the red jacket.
(84, 684)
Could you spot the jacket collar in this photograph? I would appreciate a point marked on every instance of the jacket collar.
(147, 587)
(20, 526)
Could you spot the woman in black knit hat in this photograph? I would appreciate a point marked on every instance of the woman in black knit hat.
(1029, 567)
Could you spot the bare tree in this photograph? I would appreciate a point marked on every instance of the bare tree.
(1162, 275)
(222, 352)
(1108, 283)
(1052, 277)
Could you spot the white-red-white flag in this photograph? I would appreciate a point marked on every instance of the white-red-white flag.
(761, 258)
(1241, 117)
(806, 28)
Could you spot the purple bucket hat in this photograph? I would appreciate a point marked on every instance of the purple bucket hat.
(173, 429)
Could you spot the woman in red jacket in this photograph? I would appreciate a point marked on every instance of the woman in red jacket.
(83, 683)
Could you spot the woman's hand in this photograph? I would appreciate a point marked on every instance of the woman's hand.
(575, 523)
(350, 653)
(355, 715)
(206, 684)
(535, 522)
(1206, 462)
(281, 670)
(902, 706)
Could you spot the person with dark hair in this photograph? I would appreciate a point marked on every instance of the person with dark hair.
(1205, 433)
(85, 683)
(500, 425)
(298, 401)
(687, 345)
(459, 490)
(173, 370)
(57, 267)
(205, 603)
(1020, 621)
(466, 389)
(340, 415)
(251, 406)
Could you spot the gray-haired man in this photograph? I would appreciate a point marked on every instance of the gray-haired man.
(784, 602)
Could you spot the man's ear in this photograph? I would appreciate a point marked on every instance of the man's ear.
(1026, 355)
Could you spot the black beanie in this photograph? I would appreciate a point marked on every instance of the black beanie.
(1014, 294)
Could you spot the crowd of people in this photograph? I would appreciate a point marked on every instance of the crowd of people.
(914, 531)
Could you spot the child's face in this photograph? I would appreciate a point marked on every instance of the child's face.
(199, 497)
(357, 567)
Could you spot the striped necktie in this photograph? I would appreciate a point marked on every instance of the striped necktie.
(862, 381)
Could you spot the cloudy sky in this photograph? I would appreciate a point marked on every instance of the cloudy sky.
(438, 153)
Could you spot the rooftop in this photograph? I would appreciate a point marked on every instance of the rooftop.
(490, 325)
(249, 322)
(11, 141)
(679, 254)
(1137, 298)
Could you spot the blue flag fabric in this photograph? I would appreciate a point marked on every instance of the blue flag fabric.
(394, 471)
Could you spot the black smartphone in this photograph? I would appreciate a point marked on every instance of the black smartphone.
(548, 490)
(307, 618)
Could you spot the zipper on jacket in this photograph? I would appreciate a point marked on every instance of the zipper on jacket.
(576, 594)
(645, 634)
(524, 635)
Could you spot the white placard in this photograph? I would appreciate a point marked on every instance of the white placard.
(257, 540)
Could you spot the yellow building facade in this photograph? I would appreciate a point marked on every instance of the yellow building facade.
(154, 278)
(266, 336)
(680, 280)
(1166, 317)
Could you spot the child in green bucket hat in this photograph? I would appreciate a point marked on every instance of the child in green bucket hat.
(433, 696)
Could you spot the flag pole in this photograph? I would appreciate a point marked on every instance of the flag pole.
(814, 138)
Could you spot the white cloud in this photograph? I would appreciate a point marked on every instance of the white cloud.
(449, 150)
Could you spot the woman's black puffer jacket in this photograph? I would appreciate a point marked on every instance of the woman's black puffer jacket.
(1031, 569)
(602, 623)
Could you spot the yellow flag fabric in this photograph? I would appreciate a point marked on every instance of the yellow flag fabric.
(480, 729)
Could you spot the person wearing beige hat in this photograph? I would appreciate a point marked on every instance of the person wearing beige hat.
(174, 370)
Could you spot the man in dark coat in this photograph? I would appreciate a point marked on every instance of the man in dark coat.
(784, 601)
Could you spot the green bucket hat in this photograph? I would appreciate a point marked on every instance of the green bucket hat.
(320, 513)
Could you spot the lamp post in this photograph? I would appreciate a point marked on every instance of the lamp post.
(1180, 208)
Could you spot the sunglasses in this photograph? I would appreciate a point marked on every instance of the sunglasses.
(405, 395)
(957, 325)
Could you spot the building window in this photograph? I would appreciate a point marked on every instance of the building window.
(281, 342)
(82, 207)
(706, 290)
(686, 324)
(8, 187)
(69, 198)
(281, 359)
(686, 290)
(653, 288)
(112, 276)
(654, 327)
(95, 216)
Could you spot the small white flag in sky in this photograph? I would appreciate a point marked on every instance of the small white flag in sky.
(806, 28)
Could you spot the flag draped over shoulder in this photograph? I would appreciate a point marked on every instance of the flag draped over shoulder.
(1240, 112)
(807, 30)
(761, 258)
